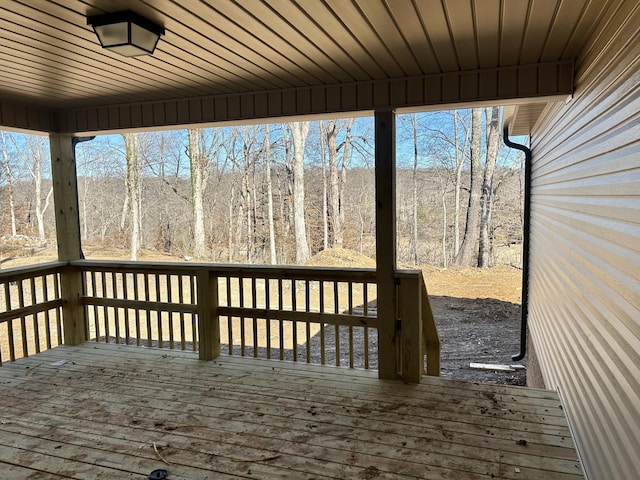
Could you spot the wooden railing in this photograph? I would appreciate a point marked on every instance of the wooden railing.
(319, 315)
(300, 314)
(30, 317)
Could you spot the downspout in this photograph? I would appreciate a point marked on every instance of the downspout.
(525, 242)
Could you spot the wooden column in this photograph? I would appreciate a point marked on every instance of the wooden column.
(411, 340)
(208, 319)
(385, 151)
(65, 195)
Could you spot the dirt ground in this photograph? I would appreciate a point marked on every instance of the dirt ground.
(477, 311)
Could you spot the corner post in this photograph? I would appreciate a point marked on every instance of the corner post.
(65, 195)
(385, 180)
(208, 319)
(411, 340)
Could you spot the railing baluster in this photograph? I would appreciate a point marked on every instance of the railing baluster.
(158, 311)
(23, 319)
(242, 326)
(229, 317)
(307, 295)
(280, 322)
(323, 354)
(7, 300)
(47, 313)
(105, 310)
(194, 321)
(336, 310)
(56, 283)
(267, 302)
(294, 324)
(350, 310)
(96, 326)
(147, 298)
(183, 345)
(254, 303)
(169, 282)
(136, 313)
(34, 317)
(116, 310)
(365, 329)
(127, 314)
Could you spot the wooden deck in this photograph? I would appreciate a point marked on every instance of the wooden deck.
(101, 411)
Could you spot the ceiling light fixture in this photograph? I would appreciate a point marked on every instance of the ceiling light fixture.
(126, 33)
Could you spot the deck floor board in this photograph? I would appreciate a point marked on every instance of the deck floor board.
(106, 410)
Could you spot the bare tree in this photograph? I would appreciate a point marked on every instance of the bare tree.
(337, 174)
(32, 155)
(492, 115)
(325, 192)
(414, 179)
(467, 255)
(132, 187)
(199, 178)
(460, 155)
(299, 131)
(9, 180)
(272, 232)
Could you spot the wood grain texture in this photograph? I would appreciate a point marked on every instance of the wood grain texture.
(243, 418)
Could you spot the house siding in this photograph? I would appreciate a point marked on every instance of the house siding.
(584, 300)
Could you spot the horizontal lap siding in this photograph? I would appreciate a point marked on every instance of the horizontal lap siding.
(585, 248)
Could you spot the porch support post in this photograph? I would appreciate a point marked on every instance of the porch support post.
(385, 152)
(65, 195)
(208, 319)
(411, 339)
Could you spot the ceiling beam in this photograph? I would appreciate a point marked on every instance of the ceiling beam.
(501, 85)
(25, 117)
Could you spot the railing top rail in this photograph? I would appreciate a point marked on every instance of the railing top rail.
(247, 271)
(18, 273)
(240, 270)
(408, 272)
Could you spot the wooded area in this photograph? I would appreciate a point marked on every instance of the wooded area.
(280, 193)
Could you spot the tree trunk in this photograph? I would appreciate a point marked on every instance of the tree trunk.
(334, 184)
(40, 214)
(199, 177)
(230, 244)
(272, 230)
(468, 253)
(346, 152)
(299, 131)
(35, 147)
(414, 226)
(246, 194)
(460, 156)
(337, 179)
(9, 180)
(486, 202)
(132, 180)
(445, 262)
(325, 206)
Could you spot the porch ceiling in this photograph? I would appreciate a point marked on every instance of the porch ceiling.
(51, 62)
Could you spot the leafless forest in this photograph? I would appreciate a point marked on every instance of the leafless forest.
(280, 193)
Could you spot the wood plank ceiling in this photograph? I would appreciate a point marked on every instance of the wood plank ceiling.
(50, 57)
